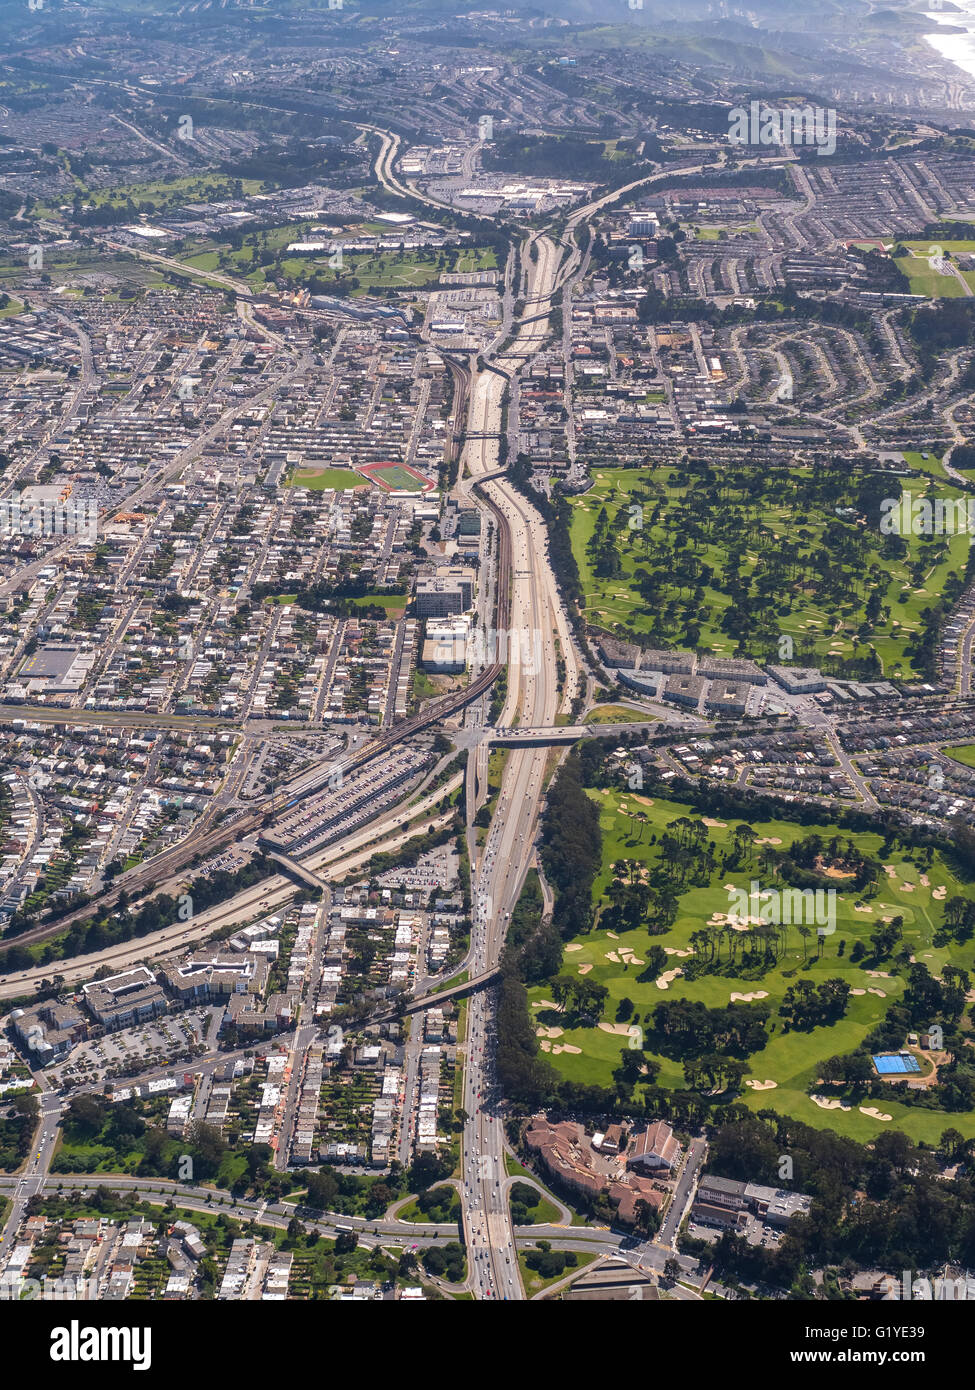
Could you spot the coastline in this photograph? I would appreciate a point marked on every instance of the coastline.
(953, 37)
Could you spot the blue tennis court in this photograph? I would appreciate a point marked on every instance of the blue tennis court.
(896, 1063)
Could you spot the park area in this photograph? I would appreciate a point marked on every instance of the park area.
(933, 274)
(256, 256)
(669, 557)
(785, 1074)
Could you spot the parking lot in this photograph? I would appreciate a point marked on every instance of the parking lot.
(174, 1038)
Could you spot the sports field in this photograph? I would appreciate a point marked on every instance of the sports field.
(318, 480)
(396, 477)
(925, 279)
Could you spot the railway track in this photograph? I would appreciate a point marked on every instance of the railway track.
(142, 880)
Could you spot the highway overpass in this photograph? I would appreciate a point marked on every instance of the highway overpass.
(443, 996)
(293, 867)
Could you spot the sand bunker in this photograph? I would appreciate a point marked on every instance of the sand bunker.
(715, 824)
(574, 946)
(545, 1046)
(620, 1028)
(761, 1085)
(725, 919)
(878, 974)
(858, 991)
(880, 993)
(613, 935)
(907, 887)
(829, 1103)
(862, 907)
(890, 870)
(874, 1113)
(544, 1004)
(747, 998)
(668, 975)
(925, 881)
(643, 800)
(543, 1032)
(939, 893)
(769, 840)
(569, 1047)
(584, 969)
(675, 951)
(611, 955)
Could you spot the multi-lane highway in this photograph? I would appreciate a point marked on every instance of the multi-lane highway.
(534, 629)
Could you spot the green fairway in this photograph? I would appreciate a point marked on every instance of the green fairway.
(166, 193)
(752, 560)
(790, 1059)
(932, 465)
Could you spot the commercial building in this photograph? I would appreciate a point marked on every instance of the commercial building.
(725, 1202)
(121, 1000)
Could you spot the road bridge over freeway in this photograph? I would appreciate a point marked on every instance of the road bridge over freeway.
(292, 867)
(443, 996)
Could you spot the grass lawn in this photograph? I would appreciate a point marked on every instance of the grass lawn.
(687, 541)
(380, 269)
(616, 714)
(422, 686)
(932, 465)
(394, 604)
(965, 753)
(925, 280)
(412, 1212)
(534, 1283)
(544, 1214)
(169, 192)
(317, 480)
(790, 1059)
(514, 1169)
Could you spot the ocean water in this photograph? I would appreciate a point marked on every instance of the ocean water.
(956, 48)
